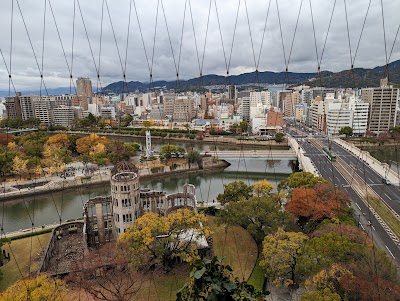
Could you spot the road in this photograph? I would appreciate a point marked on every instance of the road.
(366, 219)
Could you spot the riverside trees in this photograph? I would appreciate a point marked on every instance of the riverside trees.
(330, 256)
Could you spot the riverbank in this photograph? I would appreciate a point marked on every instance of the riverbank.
(213, 140)
(102, 177)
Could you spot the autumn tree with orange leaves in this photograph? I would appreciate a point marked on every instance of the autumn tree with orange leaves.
(312, 205)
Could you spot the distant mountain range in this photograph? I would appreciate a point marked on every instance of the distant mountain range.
(359, 78)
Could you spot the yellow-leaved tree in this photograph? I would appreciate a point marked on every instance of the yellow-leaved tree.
(56, 153)
(279, 255)
(19, 166)
(262, 188)
(159, 240)
(36, 289)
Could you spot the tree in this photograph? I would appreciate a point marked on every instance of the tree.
(119, 151)
(210, 279)
(300, 179)
(106, 275)
(322, 295)
(159, 240)
(243, 126)
(193, 156)
(262, 188)
(260, 216)
(40, 288)
(383, 137)
(234, 192)
(91, 145)
(321, 252)
(56, 153)
(167, 151)
(5, 138)
(59, 141)
(279, 255)
(348, 131)
(279, 137)
(19, 166)
(312, 205)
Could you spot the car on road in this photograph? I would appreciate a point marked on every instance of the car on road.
(386, 181)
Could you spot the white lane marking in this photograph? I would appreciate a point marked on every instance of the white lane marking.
(388, 196)
(358, 206)
(390, 252)
(370, 180)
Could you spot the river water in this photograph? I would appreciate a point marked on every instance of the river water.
(51, 208)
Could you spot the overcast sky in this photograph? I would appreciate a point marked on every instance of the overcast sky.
(303, 59)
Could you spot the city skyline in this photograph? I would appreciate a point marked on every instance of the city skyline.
(26, 75)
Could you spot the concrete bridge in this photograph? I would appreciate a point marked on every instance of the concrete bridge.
(256, 153)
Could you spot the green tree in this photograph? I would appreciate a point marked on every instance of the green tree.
(260, 216)
(348, 131)
(279, 137)
(234, 192)
(243, 126)
(167, 151)
(193, 156)
(210, 279)
(300, 179)
(279, 256)
(321, 252)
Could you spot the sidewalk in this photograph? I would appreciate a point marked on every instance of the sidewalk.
(380, 168)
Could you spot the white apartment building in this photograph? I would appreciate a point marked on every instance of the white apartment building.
(360, 113)
(383, 106)
(63, 116)
(262, 97)
(337, 116)
(107, 112)
(43, 109)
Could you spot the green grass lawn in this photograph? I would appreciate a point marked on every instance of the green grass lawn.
(257, 277)
(20, 252)
(237, 247)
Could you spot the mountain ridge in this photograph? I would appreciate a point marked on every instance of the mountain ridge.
(358, 77)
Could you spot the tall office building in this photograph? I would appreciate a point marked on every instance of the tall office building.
(13, 107)
(383, 105)
(84, 93)
(232, 92)
(84, 87)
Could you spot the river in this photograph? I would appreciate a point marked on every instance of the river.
(50, 208)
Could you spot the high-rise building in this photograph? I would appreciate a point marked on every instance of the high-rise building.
(13, 107)
(63, 116)
(84, 87)
(232, 92)
(383, 106)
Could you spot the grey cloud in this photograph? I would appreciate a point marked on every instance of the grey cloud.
(336, 56)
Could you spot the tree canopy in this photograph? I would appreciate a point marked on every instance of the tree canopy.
(300, 179)
(311, 205)
(279, 255)
(40, 288)
(210, 279)
(258, 215)
(234, 192)
(262, 188)
(348, 131)
(158, 240)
